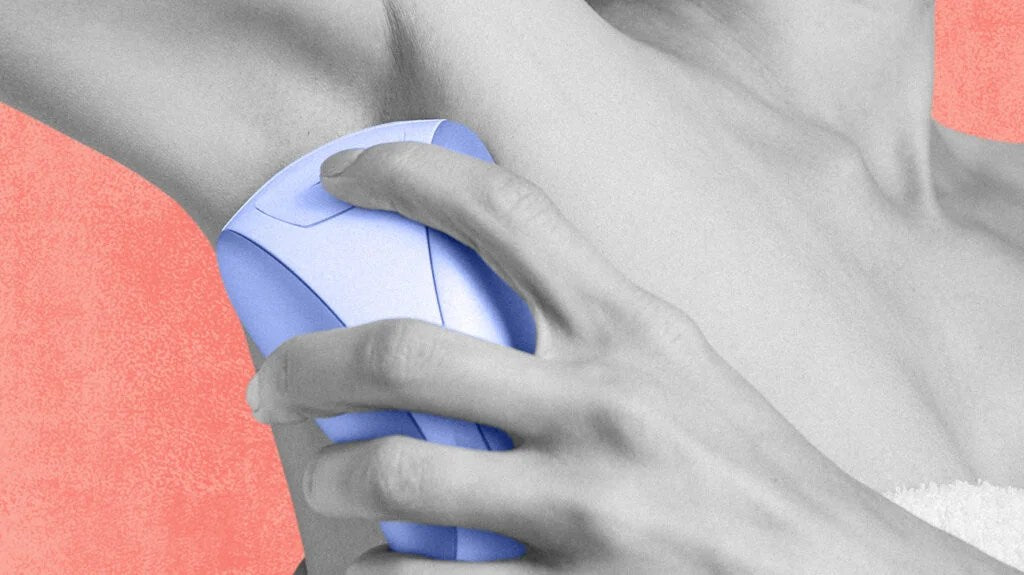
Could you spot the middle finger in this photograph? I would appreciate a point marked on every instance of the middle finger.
(408, 365)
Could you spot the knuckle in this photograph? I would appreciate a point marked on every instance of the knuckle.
(394, 476)
(401, 159)
(508, 195)
(405, 157)
(618, 420)
(622, 412)
(396, 352)
(395, 156)
(668, 328)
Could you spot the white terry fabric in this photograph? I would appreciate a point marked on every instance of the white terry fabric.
(990, 518)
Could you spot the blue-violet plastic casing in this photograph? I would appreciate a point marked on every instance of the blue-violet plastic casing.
(295, 259)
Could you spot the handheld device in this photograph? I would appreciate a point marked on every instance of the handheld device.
(295, 259)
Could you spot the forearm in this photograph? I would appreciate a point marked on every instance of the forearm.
(205, 101)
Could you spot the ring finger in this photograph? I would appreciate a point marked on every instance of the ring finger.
(400, 478)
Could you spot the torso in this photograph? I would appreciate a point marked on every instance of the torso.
(887, 332)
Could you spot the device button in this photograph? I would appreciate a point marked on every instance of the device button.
(305, 208)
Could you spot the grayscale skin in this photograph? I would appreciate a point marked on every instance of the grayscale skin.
(801, 290)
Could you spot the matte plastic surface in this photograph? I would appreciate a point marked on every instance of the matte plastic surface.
(295, 259)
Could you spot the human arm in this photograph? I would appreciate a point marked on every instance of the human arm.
(534, 117)
(204, 100)
(638, 448)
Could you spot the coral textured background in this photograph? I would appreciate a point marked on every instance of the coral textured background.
(123, 367)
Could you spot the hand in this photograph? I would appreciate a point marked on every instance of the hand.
(638, 448)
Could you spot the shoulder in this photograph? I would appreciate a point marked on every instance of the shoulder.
(987, 184)
(1000, 162)
(205, 103)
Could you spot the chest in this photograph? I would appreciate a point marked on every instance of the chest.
(891, 342)
(893, 345)
(889, 339)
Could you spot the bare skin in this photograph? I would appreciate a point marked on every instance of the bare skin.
(771, 171)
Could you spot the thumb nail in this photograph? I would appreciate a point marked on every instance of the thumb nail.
(336, 164)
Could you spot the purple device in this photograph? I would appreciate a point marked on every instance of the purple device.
(295, 259)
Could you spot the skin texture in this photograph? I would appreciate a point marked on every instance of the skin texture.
(766, 169)
(658, 458)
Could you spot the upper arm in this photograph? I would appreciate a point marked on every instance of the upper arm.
(204, 99)
(1001, 161)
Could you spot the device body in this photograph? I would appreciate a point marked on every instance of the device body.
(295, 259)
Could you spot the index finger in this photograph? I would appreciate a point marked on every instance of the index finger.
(509, 221)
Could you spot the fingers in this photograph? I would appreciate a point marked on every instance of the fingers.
(509, 221)
(400, 478)
(381, 561)
(408, 365)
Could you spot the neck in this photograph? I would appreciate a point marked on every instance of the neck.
(859, 69)
(863, 69)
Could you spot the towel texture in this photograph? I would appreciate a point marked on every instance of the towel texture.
(989, 517)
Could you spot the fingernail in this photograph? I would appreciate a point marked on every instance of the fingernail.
(276, 415)
(252, 392)
(308, 477)
(336, 164)
(255, 396)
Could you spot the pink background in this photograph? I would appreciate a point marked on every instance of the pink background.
(123, 367)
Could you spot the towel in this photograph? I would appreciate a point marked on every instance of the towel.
(988, 517)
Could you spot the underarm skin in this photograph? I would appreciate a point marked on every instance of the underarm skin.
(205, 100)
(207, 103)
